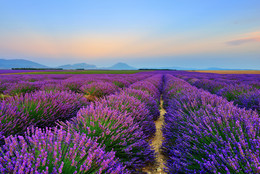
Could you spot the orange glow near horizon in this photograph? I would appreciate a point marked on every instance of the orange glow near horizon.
(124, 44)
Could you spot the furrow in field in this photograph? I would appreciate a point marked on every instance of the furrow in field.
(156, 142)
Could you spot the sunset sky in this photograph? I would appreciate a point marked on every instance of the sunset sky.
(142, 33)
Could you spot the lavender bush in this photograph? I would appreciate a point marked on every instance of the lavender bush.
(40, 108)
(116, 130)
(56, 151)
(147, 87)
(99, 89)
(22, 88)
(12, 120)
(210, 85)
(48, 87)
(121, 83)
(134, 107)
(250, 100)
(205, 133)
(150, 103)
(231, 92)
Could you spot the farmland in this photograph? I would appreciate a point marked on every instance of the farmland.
(129, 122)
(7, 72)
(229, 71)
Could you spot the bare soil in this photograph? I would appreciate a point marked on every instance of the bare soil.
(91, 98)
(158, 167)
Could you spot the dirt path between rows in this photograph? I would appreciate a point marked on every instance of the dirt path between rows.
(156, 144)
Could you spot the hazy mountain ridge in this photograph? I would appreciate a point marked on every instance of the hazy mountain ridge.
(78, 66)
(121, 66)
(22, 63)
(19, 63)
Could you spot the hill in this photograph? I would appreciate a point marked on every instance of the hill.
(78, 66)
(121, 66)
(19, 63)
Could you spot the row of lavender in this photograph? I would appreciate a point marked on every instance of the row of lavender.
(242, 89)
(43, 108)
(108, 136)
(83, 83)
(249, 79)
(205, 133)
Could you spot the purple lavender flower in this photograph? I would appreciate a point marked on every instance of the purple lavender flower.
(134, 107)
(99, 89)
(22, 88)
(56, 151)
(53, 86)
(148, 87)
(116, 130)
(151, 104)
(207, 134)
(231, 92)
(40, 108)
(210, 85)
(121, 83)
(250, 100)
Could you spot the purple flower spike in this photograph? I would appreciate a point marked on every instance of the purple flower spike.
(40, 109)
(151, 104)
(205, 133)
(56, 151)
(134, 107)
(99, 89)
(116, 130)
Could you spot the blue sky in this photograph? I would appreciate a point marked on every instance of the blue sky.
(142, 33)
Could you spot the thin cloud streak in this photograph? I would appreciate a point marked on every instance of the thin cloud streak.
(245, 38)
(243, 41)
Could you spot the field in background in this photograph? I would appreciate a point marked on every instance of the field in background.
(228, 71)
(74, 72)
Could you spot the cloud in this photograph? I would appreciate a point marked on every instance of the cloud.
(243, 41)
(245, 38)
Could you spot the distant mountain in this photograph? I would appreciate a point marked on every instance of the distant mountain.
(78, 66)
(19, 63)
(121, 66)
(22, 63)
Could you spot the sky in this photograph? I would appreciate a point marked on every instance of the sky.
(142, 33)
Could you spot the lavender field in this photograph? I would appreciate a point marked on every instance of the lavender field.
(116, 123)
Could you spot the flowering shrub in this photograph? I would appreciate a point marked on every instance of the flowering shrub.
(40, 108)
(12, 120)
(56, 151)
(134, 107)
(22, 88)
(53, 87)
(210, 85)
(73, 85)
(116, 130)
(99, 89)
(108, 136)
(250, 100)
(157, 81)
(5, 86)
(150, 103)
(232, 92)
(205, 133)
(148, 87)
(121, 83)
